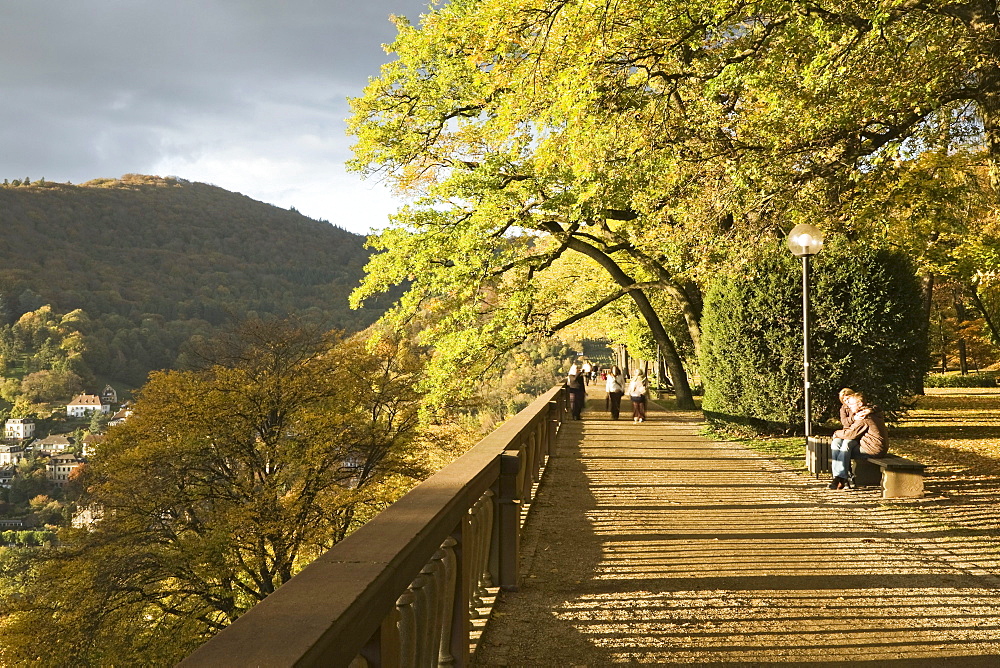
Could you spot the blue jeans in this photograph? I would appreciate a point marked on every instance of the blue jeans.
(841, 452)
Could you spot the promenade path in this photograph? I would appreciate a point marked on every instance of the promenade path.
(648, 543)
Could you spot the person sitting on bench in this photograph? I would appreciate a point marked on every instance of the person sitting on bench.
(866, 436)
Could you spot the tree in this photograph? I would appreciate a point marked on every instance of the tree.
(29, 301)
(23, 408)
(670, 133)
(225, 481)
(498, 213)
(49, 386)
(98, 421)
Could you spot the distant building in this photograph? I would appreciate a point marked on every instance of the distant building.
(60, 467)
(17, 522)
(120, 416)
(87, 517)
(11, 454)
(85, 404)
(54, 443)
(89, 443)
(19, 428)
(6, 476)
(109, 396)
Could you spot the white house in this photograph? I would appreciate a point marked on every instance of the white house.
(53, 443)
(60, 467)
(11, 454)
(84, 404)
(89, 443)
(87, 517)
(120, 417)
(19, 428)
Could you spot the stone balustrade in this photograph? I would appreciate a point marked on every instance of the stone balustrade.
(404, 589)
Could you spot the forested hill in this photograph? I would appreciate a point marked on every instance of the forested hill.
(154, 261)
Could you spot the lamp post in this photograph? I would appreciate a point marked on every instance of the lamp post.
(805, 241)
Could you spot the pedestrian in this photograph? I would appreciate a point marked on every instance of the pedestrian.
(577, 391)
(615, 387)
(866, 436)
(637, 393)
(586, 371)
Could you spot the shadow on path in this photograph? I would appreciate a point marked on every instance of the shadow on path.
(651, 544)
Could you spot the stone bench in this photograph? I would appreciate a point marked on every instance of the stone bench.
(899, 477)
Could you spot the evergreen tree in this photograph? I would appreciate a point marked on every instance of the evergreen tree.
(867, 333)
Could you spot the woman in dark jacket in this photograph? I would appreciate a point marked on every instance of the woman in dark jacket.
(576, 388)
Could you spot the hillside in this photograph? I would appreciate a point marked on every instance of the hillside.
(153, 262)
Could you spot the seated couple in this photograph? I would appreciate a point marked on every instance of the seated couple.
(863, 435)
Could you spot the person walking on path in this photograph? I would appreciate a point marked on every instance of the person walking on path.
(866, 436)
(587, 368)
(615, 387)
(637, 393)
(577, 391)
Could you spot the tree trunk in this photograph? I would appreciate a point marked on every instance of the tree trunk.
(989, 111)
(682, 389)
(944, 346)
(928, 295)
(962, 317)
(688, 297)
(927, 285)
(990, 324)
(690, 311)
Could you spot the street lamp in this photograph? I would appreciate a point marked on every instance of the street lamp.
(805, 241)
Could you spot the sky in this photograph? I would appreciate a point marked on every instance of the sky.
(247, 95)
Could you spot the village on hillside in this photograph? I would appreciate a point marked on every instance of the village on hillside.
(38, 471)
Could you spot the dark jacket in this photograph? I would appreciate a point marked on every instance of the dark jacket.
(872, 432)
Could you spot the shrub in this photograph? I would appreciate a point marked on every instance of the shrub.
(959, 380)
(867, 333)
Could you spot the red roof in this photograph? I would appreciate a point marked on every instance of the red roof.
(86, 400)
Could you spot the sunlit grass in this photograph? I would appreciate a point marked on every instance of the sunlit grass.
(789, 450)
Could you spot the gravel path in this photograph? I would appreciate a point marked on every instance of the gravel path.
(648, 543)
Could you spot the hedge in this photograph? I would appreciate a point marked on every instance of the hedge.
(867, 327)
(959, 380)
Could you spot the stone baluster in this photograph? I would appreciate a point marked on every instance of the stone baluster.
(407, 630)
(449, 569)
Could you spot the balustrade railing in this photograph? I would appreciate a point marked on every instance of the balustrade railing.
(404, 589)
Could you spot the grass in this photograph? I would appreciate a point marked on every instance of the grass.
(790, 450)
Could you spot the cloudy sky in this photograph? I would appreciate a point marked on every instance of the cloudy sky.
(248, 95)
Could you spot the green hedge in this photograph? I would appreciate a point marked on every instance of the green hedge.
(867, 333)
(29, 538)
(958, 380)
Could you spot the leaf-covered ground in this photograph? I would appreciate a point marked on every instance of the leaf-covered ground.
(651, 544)
(955, 430)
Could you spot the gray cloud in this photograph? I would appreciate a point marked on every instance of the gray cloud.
(246, 94)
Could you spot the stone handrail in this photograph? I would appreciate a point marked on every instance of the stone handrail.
(402, 589)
